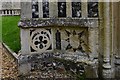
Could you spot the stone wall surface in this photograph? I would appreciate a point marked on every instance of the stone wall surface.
(11, 5)
(6, 5)
(44, 66)
(49, 31)
(71, 39)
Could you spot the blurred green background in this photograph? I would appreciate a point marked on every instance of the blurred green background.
(11, 32)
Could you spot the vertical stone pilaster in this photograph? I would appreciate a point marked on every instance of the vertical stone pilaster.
(93, 42)
(107, 34)
(26, 9)
(118, 5)
(84, 8)
(107, 72)
(53, 8)
(69, 8)
(113, 40)
(40, 9)
(25, 41)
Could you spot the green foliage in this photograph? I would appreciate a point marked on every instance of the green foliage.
(11, 32)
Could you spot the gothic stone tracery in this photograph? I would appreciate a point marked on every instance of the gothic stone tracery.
(41, 40)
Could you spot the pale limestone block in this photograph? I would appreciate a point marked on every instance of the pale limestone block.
(40, 9)
(53, 8)
(107, 33)
(25, 41)
(84, 8)
(54, 38)
(26, 10)
(93, 41)
(69, 8)
(15, 5)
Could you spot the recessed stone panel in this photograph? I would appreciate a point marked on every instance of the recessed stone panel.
(72, 39)
(40, 40)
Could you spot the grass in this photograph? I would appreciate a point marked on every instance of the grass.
(11, 32)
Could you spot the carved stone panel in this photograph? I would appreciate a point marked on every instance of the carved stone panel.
(72, 40)
(40, 40)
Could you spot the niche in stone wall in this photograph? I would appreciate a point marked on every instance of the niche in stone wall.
(40, 40)
(72, 40)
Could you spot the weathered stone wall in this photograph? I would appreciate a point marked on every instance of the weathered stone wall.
(74, 39)
(86, 40)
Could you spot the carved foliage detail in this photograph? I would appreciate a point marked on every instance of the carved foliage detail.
(40, 40)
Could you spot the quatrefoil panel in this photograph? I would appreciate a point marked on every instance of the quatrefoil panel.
(41, 40)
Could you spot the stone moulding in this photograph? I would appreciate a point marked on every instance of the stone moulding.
(35, 22)
(23, 59)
